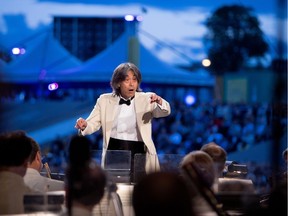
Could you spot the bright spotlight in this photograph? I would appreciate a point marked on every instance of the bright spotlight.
(52, 86)
(129, 18)
(206, 62)
(190, 100)
(18, 51)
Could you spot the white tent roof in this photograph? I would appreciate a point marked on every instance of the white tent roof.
(48, 60)
(101, 67)
(44, 56)
(98, 68)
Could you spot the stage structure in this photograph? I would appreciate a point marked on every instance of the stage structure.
(85, 37)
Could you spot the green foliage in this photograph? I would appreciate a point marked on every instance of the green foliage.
(233, 37)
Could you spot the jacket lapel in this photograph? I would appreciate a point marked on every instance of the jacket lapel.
(110, 115)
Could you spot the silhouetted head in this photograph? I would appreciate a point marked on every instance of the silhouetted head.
(203, 164)
(87, 187)
(85, 181)
(79, 151)
(161, 193)
(15, 148)
(218, 154)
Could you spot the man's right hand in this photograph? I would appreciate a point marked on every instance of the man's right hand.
(81, 124)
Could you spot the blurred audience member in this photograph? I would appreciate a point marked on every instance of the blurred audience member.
(198, 170)
(223, 184)
(161, 193)
(33, 178)
(85, 180)
(15, 149)
(203, 164)
(218, 155)
(274, 204)
(85, 188)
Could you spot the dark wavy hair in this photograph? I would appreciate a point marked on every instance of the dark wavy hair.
(120, 74)
(15, 148)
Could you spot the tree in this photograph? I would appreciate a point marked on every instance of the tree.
(234, 36)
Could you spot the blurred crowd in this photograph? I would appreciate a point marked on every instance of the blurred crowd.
(200, 184)
(235, 127)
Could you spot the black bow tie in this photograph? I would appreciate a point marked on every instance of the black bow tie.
(127, 102)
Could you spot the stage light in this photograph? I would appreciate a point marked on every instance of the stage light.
(53, 86)
(139, 18)
(206, 62)
(190, 100)
(129, 18)
(18, 51)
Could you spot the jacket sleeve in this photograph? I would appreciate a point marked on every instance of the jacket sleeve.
(161, 110)
(93, 120)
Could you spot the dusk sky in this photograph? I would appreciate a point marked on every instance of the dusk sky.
(179, 24)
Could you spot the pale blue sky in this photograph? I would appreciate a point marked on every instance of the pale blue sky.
(177, 23)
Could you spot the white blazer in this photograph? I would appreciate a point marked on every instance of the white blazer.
(36, 181)
(104, 113)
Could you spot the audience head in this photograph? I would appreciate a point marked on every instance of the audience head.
(15, 149)
(203, 164)
(161, 193)
(85, 180)
(79, 151)
(218, 155)
(35, 159)
(86, 186)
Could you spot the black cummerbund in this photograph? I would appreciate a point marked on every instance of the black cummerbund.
(136, 147)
